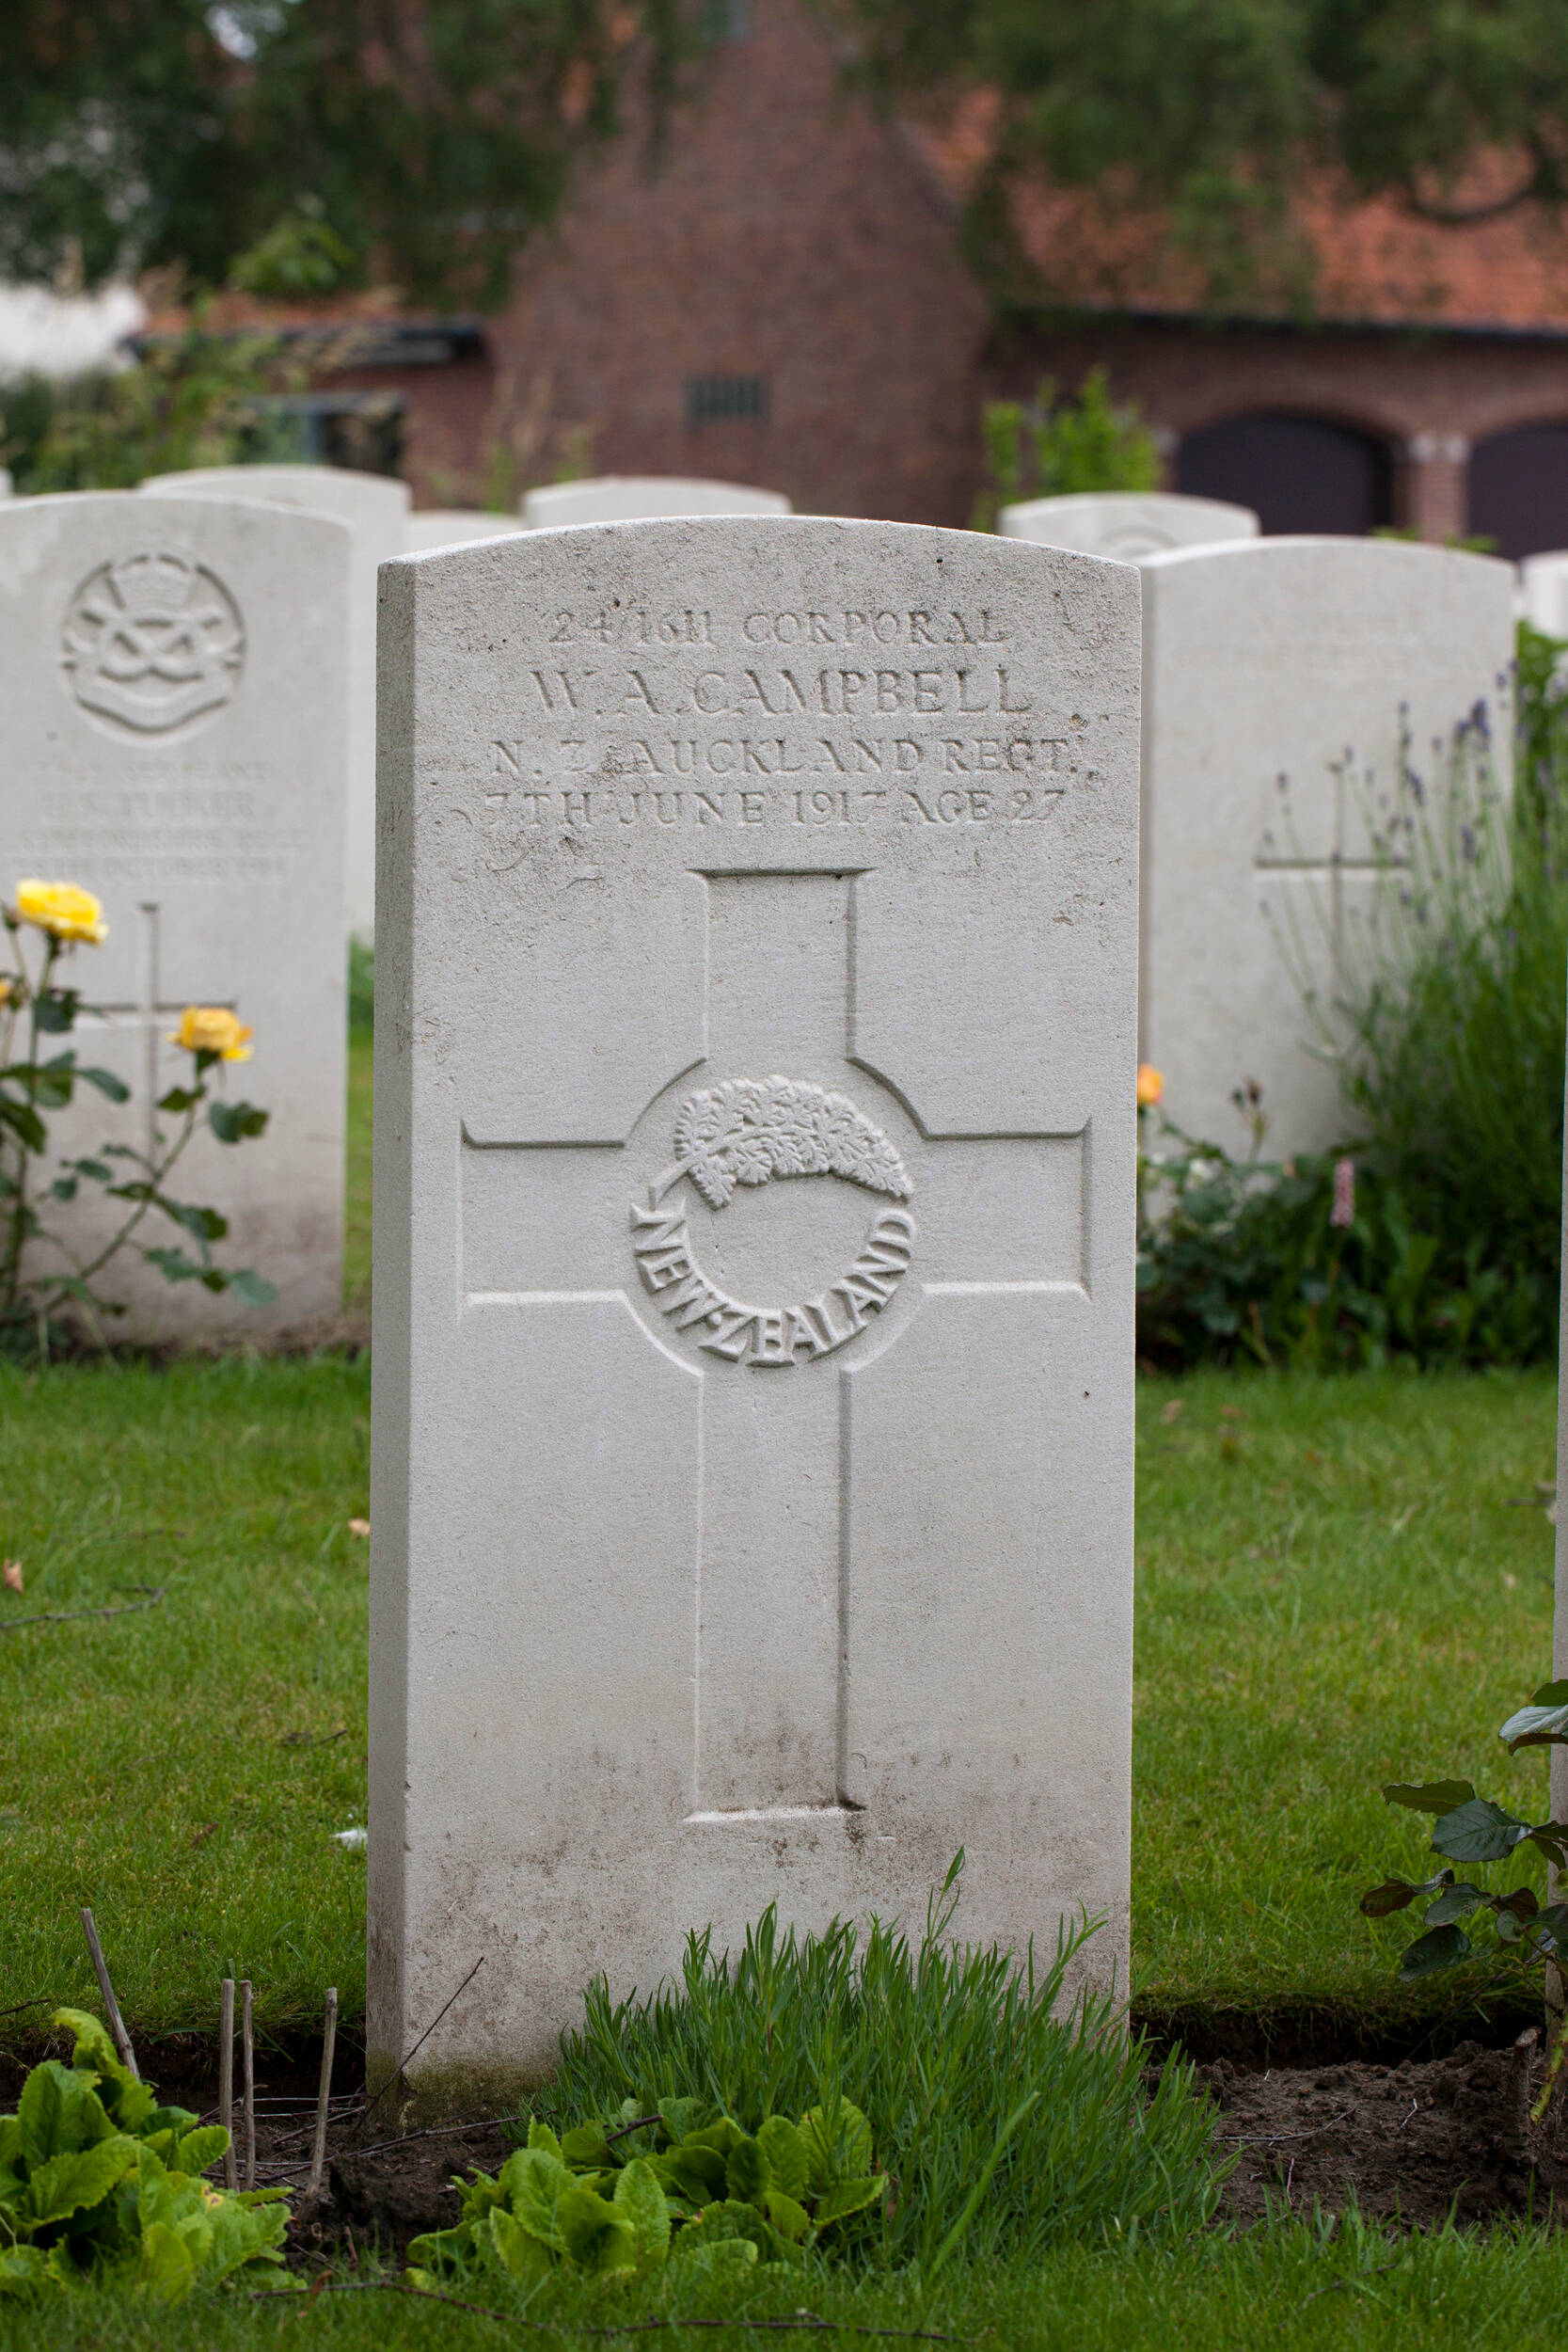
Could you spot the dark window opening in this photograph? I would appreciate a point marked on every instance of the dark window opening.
(1297, 473)
(726, 399)
(1519, 490)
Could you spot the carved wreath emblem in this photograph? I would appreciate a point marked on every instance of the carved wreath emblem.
(151, 640)
(749, 1131)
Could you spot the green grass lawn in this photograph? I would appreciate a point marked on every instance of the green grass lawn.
(1340, 1582)
(1291, 2286)
(1333, 1591)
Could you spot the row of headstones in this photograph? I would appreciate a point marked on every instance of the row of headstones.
(758, 916)
(192, 694)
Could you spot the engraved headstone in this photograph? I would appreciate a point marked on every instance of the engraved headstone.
(452, 526)
(376, 510)
(1126, 525)
(1285, 682)
(615, 498)
(172, 675)
(755, 1108)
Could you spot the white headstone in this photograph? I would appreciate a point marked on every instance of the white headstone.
(376, 510)
(1544, 581)
(452, 526)
(1278, 675)
(172, 676)
(774, 1542)
(615, 498)
(1127, 525)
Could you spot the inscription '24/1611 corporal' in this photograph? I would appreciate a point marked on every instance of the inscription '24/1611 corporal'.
(637, 626)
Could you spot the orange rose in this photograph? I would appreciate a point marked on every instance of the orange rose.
(1152, 1086)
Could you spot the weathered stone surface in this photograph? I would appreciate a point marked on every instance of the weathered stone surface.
(450, 526)
(1127, 525)
(376, 510)
(1279, 675)
(752, 1454)
(615, 498)
(172, 673)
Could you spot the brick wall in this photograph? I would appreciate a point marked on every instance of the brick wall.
(792, 243)
(1429, 396)
(786, 236)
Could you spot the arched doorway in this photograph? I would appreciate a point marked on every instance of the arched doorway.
(1297, 472)
(1519, 489)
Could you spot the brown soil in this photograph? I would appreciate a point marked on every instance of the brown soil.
(1410, 2143)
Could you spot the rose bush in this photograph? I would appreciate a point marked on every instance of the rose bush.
(48, 1275)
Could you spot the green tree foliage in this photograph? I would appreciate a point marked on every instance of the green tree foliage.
(1218, 109)
(430, 139)
(194, 399)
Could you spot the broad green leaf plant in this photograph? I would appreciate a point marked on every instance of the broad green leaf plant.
(48, 1281)
(686, 2186)
(1474, 1831)
(100, 2186)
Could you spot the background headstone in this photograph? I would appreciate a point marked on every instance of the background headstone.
(450, 526)
(615, 498)
(1126, 525)
(1545, 601)
(172, 677)
(1278, 676)
(775, 1541)
(376, 510)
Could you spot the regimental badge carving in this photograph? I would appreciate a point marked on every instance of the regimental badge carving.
(749, 1131)
(152, 641)
(743, 1133)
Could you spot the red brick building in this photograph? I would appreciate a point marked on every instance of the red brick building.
(783, 301)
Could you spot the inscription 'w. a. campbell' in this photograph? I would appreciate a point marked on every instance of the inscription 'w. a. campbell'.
(752, 1133)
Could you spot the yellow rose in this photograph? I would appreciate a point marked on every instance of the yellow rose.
(1152, 1086)
(213, 1029)
(62, 911)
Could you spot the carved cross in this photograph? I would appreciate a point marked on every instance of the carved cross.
(144, 1015)
(845, 1224)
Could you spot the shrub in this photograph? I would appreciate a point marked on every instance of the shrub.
(993, 2098)
(192, 399)
(1446, 1019)
(49, 1275)
(1055, 445)
(1476, 1833)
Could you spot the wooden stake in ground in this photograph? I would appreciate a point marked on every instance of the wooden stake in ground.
(247, 2054)
(111, 2007)
(323, 2095)
(225, 2078)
